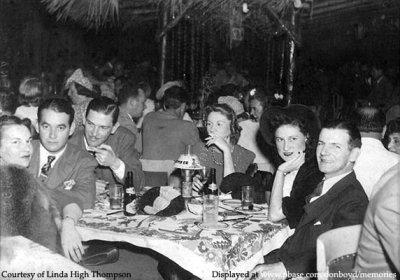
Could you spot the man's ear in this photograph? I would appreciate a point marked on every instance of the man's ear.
(355, 152)
(132, 102)
(36, 126)
(72, 129)
(182, 110)
(115, 127)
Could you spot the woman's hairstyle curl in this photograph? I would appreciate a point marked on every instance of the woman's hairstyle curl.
(283, 119)
(392, 126)
(13, 120)
(228, 112)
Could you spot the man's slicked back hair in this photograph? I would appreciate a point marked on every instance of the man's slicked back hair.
(104, 105)
(128, 90)
(59, 105)
(350, 128)
(370, 119)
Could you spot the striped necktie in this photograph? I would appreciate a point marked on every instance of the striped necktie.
(317, 192)
(46, 167)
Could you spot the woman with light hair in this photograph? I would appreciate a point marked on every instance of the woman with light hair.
(80, 91)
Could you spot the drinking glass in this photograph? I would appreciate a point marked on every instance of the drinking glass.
(247, 196)
(210, 210)
(116, 196)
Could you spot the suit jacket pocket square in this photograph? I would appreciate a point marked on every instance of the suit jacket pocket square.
(317, 223)
(69, 184)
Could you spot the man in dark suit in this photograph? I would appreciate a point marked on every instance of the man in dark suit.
(64, 169)
(113, 146)
(131, 99)
(338, 201)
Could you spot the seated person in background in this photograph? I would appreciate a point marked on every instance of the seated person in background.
(80, 90)
(131, 101)
(338, 201)
(250, 130)
(229, 75)
(221, 150)
(381, 94)
(374, 159)
(392, 136)
(149, 104)
(30, 96)
(165, 133)
(8, 102)
(64, 169)
(25, 207)
(113, 146)
(160, 94)
(293, 131)
(379, 245)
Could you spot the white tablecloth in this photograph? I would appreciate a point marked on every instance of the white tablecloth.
(204, 253)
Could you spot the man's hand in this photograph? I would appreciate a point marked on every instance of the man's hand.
(276, 271)
(197, 184)
(71, 241)
(105, 156)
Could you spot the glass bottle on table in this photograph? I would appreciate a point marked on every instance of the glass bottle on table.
(211, 186)
(129, 196)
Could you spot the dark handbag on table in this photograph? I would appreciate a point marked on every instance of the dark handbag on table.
(100, 252)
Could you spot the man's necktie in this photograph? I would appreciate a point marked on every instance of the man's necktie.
(46, 167)
(317, 192)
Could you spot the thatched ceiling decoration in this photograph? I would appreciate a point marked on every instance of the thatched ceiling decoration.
(217, 14)
(91, 13)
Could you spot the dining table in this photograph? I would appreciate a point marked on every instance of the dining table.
(226, 253)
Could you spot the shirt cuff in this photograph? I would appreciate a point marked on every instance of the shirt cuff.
(120, 171)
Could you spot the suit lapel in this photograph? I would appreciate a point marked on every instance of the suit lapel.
(313, 210)
(58, 174)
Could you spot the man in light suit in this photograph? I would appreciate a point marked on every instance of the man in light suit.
(112, 145)
(374, 159)
(379, 246)
(64, 169)
(338, 201)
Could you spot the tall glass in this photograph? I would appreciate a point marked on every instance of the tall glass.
(247, 196)
(210, 210)
(116, 196)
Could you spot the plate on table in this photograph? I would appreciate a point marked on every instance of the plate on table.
(256, 209)
(232, 202)
(218, 226)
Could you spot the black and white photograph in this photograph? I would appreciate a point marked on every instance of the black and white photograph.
(199, 139)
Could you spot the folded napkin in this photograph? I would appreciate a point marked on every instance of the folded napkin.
(161, 201)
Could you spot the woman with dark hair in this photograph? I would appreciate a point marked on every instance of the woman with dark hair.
(293, 131)
(221, 150)
(250, 137)
(30, 96)
(392, 136)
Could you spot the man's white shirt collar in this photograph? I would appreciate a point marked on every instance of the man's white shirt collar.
(44, 154)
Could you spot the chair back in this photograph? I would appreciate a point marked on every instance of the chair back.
(334, 244)
(157, 171)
